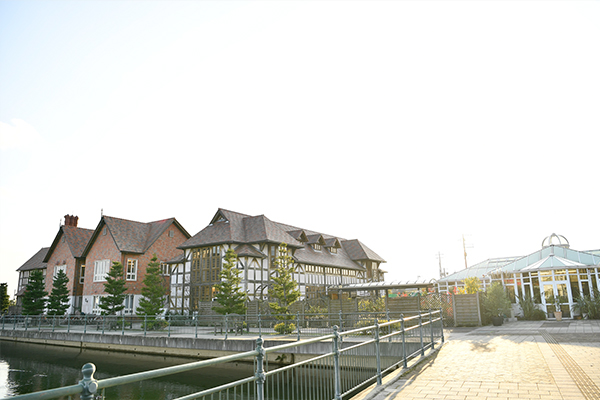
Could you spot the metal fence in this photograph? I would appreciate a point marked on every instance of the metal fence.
(356, 358)
(300, 325)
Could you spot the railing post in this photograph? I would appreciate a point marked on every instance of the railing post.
(53, 322)
(442, 324)
(123, 326)
(103, 321)
(26, 318)
(260, 373)
(226, 326)
(259, 325)
(2, 321)
(169, 322)
(196, 329)
(85, 323)
(403, 341)
(336, 364)
(377, 353)
(145, 324)
(298, 323)
(421, 332)
(431, 323)
(89, 383)
(68, 323)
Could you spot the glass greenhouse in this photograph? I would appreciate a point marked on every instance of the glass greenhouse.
(554, 272)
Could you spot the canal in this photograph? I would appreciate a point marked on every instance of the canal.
(26, 368)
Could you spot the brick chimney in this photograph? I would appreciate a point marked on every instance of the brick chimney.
(71, 220)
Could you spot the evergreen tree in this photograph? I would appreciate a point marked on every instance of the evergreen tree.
(231, 298)
(58, 301)
(115, 289)
(34, 298)
(283, 289)
(154, 291)
(4, 299)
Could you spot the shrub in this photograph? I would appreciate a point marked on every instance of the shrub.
(530, 311)
(285, 329)
(495, 302)
(588, 306)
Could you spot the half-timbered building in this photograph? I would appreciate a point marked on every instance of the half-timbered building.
(320, 260)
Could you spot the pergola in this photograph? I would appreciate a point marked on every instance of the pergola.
(379, 286)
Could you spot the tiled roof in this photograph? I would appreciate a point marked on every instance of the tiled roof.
(359, 251)
(231, 227)
(77, 238)
(35, 262)
(133, 236)
(249, 251)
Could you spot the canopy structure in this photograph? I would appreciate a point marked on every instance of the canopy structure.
(479, 270)
(382, 286)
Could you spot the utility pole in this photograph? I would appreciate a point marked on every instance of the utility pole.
(465, 247)
(442, 271)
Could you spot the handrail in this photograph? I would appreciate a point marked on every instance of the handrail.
(89, 386)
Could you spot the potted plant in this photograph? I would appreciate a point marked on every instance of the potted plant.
(496, 304)
(556, 301)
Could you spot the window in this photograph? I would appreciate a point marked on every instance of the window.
(128, 302)
(317, 247)
(333, 250)
(81, 273)
(101, 269)
(59, 268)
(171, 233)
(96, 305)
(164, 269)
(131, 270)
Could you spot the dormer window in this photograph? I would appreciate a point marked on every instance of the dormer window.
(316, 246)
(333, 250)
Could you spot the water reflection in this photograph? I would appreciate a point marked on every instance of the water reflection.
(26, 368)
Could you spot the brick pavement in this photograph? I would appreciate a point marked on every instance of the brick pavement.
(519, 360)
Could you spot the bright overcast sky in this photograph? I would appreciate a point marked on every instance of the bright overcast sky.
(403, 124)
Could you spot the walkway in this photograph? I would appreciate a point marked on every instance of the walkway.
(519, 360)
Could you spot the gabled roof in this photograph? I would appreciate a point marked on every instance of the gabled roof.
(232, 227)
(35, 262)
(246, 250)
(359, 251)
(76, 239)
(552, 257)
(133, 236)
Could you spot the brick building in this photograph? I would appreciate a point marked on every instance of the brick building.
(66, 254)
(133, 244)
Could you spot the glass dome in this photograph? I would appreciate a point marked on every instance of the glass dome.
(555, 240)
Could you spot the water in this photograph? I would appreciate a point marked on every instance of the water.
(26, 368)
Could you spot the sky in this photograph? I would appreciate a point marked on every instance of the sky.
(404, 124)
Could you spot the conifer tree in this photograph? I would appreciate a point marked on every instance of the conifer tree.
(58, 301)
(34, 298)
(4, 298)
(154, 291)
(229, 294)
(115, 289)
(284, 289)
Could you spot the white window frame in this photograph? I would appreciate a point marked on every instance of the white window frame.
(165, 269)
(101, 269)
(131, 269)
(129, 303)
(58, 268)
(82, 273)
(96, 305)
